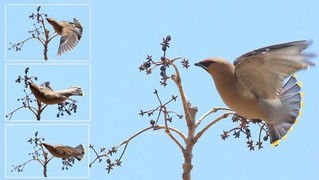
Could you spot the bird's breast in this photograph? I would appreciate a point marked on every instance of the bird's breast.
(241, 100)
(49, 97)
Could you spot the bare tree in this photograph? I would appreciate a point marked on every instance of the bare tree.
(41, 156)
(39, 33)
(36, 107)
(185, 141)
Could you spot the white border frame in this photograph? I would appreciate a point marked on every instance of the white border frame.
(49, 4)
(87, 149)
(48, 121)
(42, 62)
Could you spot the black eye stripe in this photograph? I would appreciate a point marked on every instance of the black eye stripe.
(207, 63)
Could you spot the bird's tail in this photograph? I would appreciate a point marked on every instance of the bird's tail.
(291, 99)
(80, 151)
(72, 91)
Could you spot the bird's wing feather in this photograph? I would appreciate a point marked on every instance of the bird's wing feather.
(52, 95)
(264, 70)
(65, 149)
(68, 41)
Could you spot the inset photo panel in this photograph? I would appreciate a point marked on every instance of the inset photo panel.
(46, 150)
(47, 32)
(48, 92)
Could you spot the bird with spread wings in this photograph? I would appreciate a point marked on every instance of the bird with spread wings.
(70, 32)
(45, 94)
(255, 87)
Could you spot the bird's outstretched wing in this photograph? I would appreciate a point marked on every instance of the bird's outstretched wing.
(69, 39)
(67, 150)
(264, 70)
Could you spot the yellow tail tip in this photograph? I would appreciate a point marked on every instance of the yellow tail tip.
(301, 104)
(300, 114)
(289, 130)
(276, 143)
(300, 84)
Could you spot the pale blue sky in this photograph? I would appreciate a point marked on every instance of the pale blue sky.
(124, 32)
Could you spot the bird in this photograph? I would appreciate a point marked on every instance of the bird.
(70, 33)
(261, 84)
(65, 152)
(45, 94)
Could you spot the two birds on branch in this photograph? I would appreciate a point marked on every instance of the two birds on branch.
(255, 87)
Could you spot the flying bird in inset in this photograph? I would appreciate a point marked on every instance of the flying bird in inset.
(45, 94)
(70, 33)
(65, 152)
(255, 87)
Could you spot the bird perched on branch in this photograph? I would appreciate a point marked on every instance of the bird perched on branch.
(70, 33)
(65, 152)
(45, 94)
(254, 85)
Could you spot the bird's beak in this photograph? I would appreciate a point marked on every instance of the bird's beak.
(197, 64)
(200, 64)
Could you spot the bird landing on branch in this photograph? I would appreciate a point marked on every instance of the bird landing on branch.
(45, 94)
(70, 32)
(254, 85)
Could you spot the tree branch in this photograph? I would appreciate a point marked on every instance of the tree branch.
(177, 79)
(127, 141)
(213, 110)
(200, 133)
(39, 33)
(167, 130)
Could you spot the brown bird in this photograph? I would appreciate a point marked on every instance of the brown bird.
(70, 33)
(45, 94)
(254, 85)
(65, 152)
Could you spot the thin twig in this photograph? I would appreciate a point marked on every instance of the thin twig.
(213, 110)
(200, 133)
(126, 142)
(170, 135)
